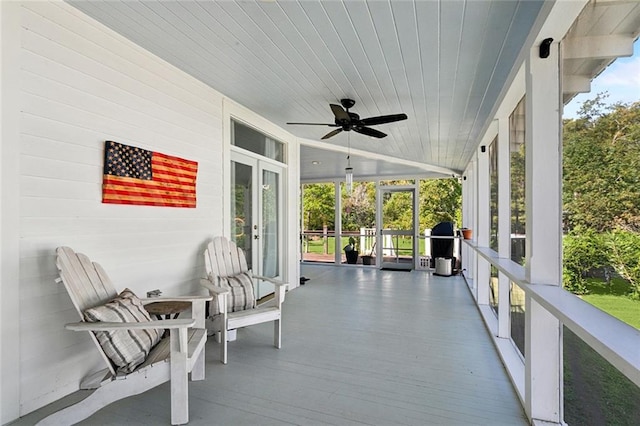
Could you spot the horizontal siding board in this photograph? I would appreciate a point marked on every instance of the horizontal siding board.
(60, 95)
(71, 82)
(37, 207)
(60, 150)
(130, 133)
(54, 171)
(98, 227)
(141, 71)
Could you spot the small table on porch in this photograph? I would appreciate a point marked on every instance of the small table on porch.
(167, 309)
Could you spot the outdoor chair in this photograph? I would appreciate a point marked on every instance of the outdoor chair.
(135, 355)
(230, 282)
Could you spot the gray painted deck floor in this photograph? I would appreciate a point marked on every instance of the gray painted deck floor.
(360, 347)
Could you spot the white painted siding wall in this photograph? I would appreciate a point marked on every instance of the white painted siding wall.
(82, 84)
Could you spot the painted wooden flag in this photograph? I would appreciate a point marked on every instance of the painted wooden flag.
(137, 176)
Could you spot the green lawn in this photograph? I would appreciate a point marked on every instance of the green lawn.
(613, 300)
(596, 392)
(315, 245)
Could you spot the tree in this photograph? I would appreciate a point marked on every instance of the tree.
(398, 210)
(601, 192)
(602, 166)
(518, 167)
(440, 201)
(624, 256)
(318, 205)
(359, 209)
(583, 250)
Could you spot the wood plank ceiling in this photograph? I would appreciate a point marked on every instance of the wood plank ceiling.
(443, 63)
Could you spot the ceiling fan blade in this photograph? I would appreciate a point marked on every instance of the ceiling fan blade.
(369, 132)
(331, 133)
(340, 113)
(371, 121)
(316, 124)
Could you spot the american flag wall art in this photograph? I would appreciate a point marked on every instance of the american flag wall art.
(137, 176)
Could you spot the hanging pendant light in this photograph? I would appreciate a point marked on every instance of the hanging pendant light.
(348, 170)
(349, 176)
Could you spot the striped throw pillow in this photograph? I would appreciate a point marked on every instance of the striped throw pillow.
(241, 295)
(126, 348)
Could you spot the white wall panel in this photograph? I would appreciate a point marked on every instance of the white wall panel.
(82, 84)
(9, 218)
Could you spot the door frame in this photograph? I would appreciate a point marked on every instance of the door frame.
(232, 111)
(258, 165)
(381, 189)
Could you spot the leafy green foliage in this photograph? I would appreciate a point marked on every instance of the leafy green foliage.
(318, 202)
(359, 209)
(583, 250)
(518, 166)
(602, 167)
(398, 210)
(440, 201)
(624, 256)
(601, 192)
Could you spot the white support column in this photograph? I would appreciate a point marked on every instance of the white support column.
(338, 224)
(466, 201)
(416, 224)
(543, 180)
(471, 223)
(482, 227)
(504, 224)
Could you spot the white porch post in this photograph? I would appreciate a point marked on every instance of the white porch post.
(504, 224)
(468, 221)
(543, 334)
(482, 203)
(338, 224)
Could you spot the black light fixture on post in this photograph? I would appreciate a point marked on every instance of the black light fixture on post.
(545, 48)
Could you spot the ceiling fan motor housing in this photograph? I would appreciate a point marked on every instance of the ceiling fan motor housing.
(347, 103)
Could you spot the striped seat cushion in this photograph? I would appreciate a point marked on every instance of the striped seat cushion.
(126, 348)
(241, 295)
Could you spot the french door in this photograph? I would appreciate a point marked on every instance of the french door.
(256, 213)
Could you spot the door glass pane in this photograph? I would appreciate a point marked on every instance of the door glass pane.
(517, 167)
(493, 191)
(242, 195)
(270, 226)
(397, 229)
(254, 141)
(493, 290)
(517, 300)
(358, 221)
(318, 222)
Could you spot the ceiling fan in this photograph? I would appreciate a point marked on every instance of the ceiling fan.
(347, 120)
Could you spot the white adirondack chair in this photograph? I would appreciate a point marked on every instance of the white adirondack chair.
(224, 261)
(172, 359)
